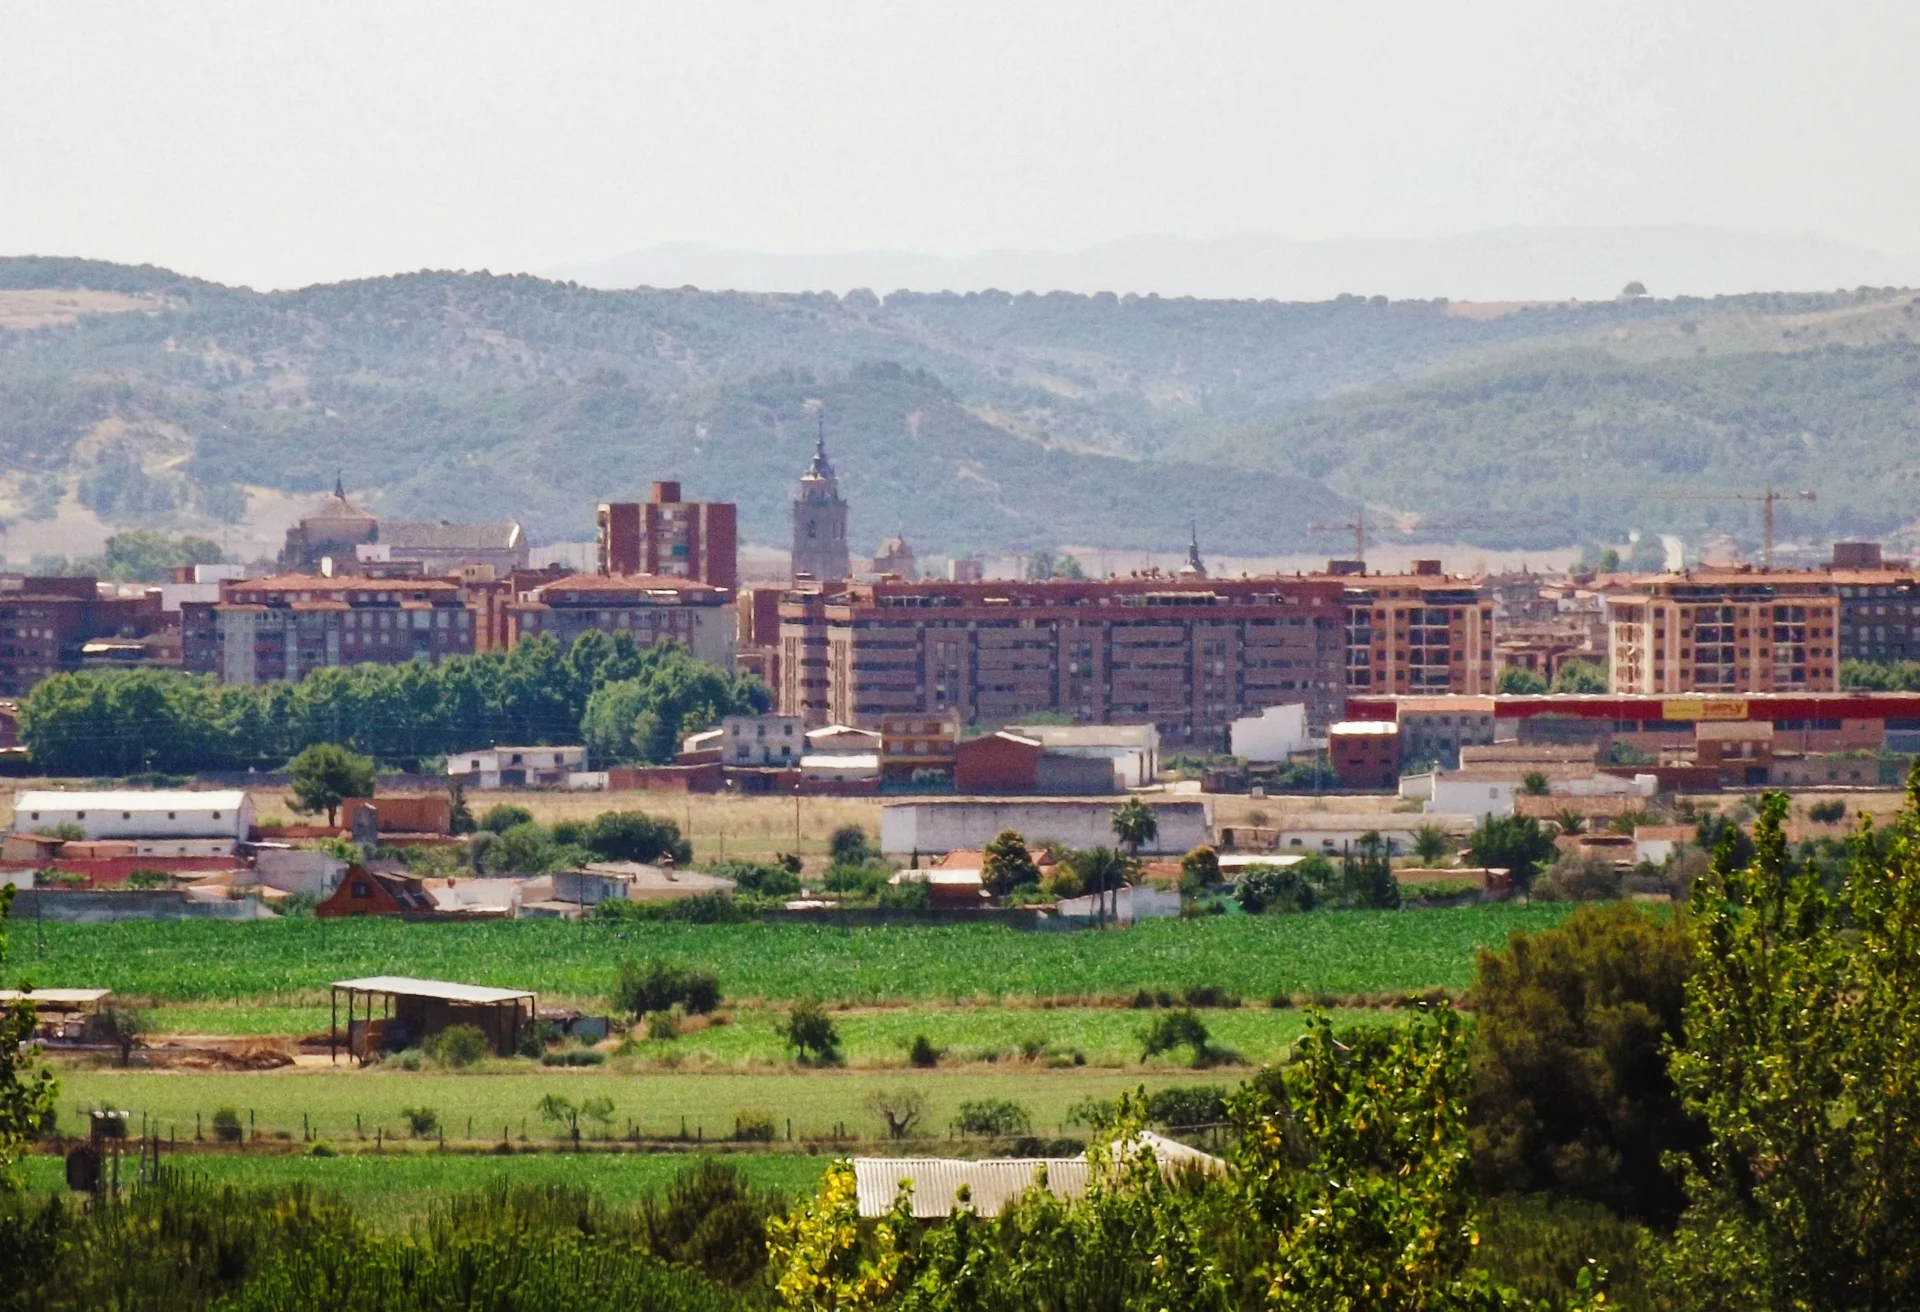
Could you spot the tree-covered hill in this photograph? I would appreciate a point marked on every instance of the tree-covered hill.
(971, 421)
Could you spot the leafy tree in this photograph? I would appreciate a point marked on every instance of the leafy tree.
(460, 816)
(1172, 1030)
(26, 1092)
(658, 984)
(637, 836)
(1199, 871)
(1513, 843)
(567, 1114)
(1273, 888)
(1007, 864)
(1577, 878)
(123, 1027)
(1432, 844)
(421, 1121)
(1534, 783)
(505, 816)
(1580, 677)
(1519, 681)
(325, 775)
(1571, 1094)
(810, 1032)
(993, 1118)
(1803, 1058)
(848, 845)
(1367, 874)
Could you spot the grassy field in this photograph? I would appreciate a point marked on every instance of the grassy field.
(393, 1188)
(291, 961)
(1102, 1036)
(348, 1106)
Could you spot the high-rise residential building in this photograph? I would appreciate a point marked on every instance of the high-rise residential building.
(290, 625)
(1730, 631)
(652, 609)
(1424, 632)
(820, 521)
(1187, 655)
(1879, 603)
(47, 623)
(668, 537)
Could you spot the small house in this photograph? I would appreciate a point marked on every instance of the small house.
(364, 892)
(516, 767)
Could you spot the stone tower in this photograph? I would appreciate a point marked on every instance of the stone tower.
(820, 520)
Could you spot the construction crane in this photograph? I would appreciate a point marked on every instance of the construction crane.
(1359, 524)
(1767, 499)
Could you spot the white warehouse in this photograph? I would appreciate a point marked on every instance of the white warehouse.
(137, 813)
(930, 825)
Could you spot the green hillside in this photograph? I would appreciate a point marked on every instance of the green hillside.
(973, 422)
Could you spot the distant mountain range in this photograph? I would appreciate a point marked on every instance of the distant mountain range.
(1505, 265)
(972, 422)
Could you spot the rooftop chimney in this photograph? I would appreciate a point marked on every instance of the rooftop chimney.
(1426, 567)
(666, 493)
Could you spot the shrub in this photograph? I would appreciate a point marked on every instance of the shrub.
(1828, 812)
(457, 1046)
(322, 1149)
(1007, 864)
(1273, 888)
(810, 1032)
(848, 846)
(1210, 995)
(226, 1125)
(637, 836)
(662, 1026)
(700, 909)
(922, 1053)
(710, 1219)
(1199, 871)
(753, 1127)
(574, 1057)
(658, 984)
(1174, 1030)
(420, 1120)
(1182, 1107)
(1575, 878)
(758, 878)
(505, 816)
(537, 1037)
(865, 881)
(993, 1118)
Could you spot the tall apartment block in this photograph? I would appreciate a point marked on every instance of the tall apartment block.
(1728, 631)
(1187, 655)
(1423, 632)
(45, 624)
(667, 537)
(1879, 604)
(284, 627)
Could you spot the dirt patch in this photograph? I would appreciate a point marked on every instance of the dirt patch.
(43, 307)
(249, 1055)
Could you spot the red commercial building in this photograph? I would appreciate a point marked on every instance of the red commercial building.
(1365, 754)
(46, 622)
(1187, 655)
(670, 538)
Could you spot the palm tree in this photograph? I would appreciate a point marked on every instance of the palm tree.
(1570, 821)
(1134, 824)
(1101, 869)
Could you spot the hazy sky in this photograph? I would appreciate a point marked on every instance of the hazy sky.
(281, 143)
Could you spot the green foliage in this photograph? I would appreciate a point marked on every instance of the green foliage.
(1199, 871)
(1830, 812)
(849, 846)
(759, 878)
(713, 1220)
(505, 816)
(1517, 680)
(1007, 865)
(1187, 1106)
(226, 1125)
(460, 815)
(993, 1118)
(325, 775)
(1880, 676)
(1173, 1030)
(1533, 783)
(1803, 1058)
(1366, 874)
(1580, 677)
(922, 1054)
(457, 1047)
(810, 1032)
(643, 717)
(1273, 888)
(1577, 878)
(26, 1091)
(567, 1114)
(1432, 844)
(637, 836)
(421, 1121)
(1512, 843)
(1134, 825)
(1571, 1094)
(658, 984)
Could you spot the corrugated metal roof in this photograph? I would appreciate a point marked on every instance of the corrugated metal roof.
(129, 799)
(405, 986)
(994, 1182)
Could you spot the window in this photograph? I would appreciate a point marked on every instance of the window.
(361, 890)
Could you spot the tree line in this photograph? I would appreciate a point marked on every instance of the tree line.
(631, 703)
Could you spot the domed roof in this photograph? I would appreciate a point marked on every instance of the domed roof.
(337, 509)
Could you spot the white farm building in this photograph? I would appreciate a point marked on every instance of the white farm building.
(222, 814)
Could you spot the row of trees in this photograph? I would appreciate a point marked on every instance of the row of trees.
(1572, 676)
(632, 703)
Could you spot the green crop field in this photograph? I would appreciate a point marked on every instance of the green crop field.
(349, 1106)
(393, 1188)
(291, 961)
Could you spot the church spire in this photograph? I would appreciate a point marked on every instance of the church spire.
(1194, 567)
(339, 487)
(820, 466)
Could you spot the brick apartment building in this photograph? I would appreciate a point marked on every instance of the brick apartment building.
(1424, 632)
(1737, 630)
(45, 623)
(1187, 655)
(650, 607)
(670, 538)
(1879, 604)
(286, 626)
